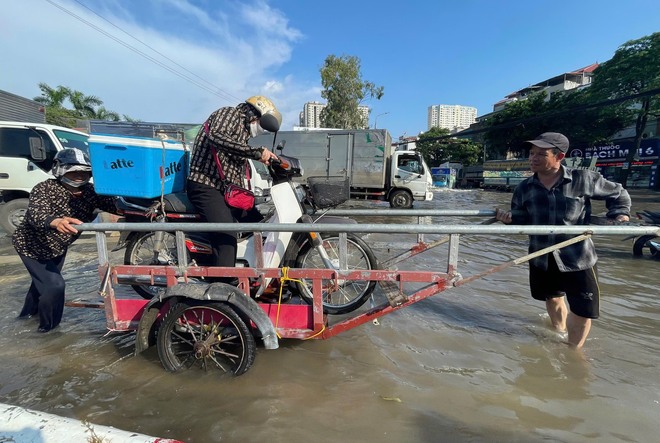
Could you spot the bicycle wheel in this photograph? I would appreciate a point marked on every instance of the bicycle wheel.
(209, 335)
(349, 294)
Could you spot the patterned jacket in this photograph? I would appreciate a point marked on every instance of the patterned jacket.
(228, 133)
(567, 203)
(49, 200)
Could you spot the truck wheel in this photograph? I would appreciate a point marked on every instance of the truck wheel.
(401, 199)
(12, 213)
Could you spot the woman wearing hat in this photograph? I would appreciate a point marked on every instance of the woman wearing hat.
(41, 241)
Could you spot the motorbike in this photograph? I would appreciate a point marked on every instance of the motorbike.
(291, 203)
(647, 245)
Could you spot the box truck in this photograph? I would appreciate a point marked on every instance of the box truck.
(364, 157)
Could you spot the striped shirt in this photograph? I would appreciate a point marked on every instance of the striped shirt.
(567, 203)
(228, 133)
(49, 200)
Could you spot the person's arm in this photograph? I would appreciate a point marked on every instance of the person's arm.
(41, 211)
(224, 125)
(617, 199)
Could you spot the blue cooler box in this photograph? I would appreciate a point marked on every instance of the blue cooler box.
(137, 166)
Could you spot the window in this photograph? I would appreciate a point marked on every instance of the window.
(15, 142)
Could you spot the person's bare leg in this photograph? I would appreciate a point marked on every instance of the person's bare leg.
(578, 330)
(557, 312)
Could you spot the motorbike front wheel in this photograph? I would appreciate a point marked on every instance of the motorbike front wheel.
(142, 250)
(209, 335)
(348, 295)
(647, 245)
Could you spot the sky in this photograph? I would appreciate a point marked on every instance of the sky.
(177, 61)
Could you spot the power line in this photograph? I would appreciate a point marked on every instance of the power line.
(212, 89)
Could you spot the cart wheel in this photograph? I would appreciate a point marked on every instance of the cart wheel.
(350, 294)
(142, 251)
(209, 335)
(647, 245)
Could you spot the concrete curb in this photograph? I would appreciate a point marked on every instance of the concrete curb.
(28, 426)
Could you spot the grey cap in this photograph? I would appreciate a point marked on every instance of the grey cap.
(549, 140)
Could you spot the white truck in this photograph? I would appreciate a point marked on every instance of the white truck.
(26, 157)
(364, 157)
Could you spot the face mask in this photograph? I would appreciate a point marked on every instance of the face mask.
(74, 183)
(256, 129)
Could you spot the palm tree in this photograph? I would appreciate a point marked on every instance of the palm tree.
(84, 104)
(52, 98)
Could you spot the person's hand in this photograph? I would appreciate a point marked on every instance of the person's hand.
(266, 156)
(65, 225)
(621, 218)
(503, 216)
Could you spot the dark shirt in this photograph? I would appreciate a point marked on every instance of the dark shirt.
(567, 203)
(49, 200)
(228, 133)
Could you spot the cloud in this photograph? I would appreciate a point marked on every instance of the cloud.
(169, 61)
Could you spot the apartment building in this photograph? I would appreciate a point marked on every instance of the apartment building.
(310, 117)
(562, 82)
(451, 117)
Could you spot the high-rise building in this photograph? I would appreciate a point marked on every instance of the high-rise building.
(310, 117)
(452, 117)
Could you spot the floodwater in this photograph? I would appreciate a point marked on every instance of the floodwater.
(475, 363)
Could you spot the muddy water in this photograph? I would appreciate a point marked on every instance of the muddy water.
(475, 363)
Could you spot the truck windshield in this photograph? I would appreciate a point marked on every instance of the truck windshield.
(72, 140)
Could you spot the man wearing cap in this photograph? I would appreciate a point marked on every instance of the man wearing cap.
(559, 195)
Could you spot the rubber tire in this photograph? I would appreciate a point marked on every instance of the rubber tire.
(12, 213)
(145, 291)
(304, 290)
(640, 244)
(401, 199)
(171, 359)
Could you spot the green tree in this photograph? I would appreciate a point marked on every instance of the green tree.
(634, 69)
(84, 106)
(438, 147)
(344, 90)
(53, 97)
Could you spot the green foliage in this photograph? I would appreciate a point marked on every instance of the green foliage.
(634, 69)
(437, 147)
(344, 90)
(84, 106)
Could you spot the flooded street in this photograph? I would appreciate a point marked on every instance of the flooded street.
(475, 363)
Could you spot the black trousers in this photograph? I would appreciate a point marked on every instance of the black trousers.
(210, 203)
(46, 293)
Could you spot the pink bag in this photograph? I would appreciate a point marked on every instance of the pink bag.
(238, 198)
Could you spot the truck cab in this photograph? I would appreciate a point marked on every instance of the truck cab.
(411, 179)
(26, 158)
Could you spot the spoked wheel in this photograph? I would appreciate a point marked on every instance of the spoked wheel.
(209, 335)
(647, 245)
(349, 294)
(142, 250)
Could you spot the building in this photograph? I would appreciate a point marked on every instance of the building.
(451, 117)
(310, 117)
(558, 83)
